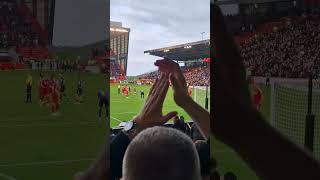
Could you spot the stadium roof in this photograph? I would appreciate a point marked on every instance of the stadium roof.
(184, 52)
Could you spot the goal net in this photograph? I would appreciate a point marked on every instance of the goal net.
(199, 95)
(289, 107)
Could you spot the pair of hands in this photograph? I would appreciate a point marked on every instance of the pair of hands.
(231, 98)
(151, 114)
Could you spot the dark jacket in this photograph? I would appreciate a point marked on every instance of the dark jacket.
(118, 147)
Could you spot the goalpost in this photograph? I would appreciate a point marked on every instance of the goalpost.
(295, 111)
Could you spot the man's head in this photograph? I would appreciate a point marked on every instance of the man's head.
(161, 153)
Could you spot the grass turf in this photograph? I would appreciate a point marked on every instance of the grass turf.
(124, 109)
(227, 159)
(36, 145)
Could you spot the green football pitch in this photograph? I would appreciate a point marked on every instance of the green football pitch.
(125, 108)
(38, 146)
(227, 159)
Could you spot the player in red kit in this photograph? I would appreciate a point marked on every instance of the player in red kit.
(257, 97)
(126, 91)
(45, 91)
(123, 89)
(55, 97)
(51, 83)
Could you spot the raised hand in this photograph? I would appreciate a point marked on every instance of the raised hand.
(179, 85)
(180, 92)
(151, 114)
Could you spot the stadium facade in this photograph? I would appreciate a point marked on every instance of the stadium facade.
(119, 44)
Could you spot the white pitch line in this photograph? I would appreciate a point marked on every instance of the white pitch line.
(7, 177)
(116, 119)
(45, 162)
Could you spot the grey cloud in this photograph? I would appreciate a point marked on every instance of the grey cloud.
(80, 22)
(156, 24)
(173, 15)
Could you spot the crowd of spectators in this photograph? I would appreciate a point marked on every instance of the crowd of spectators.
(145, 150)
(289, 52)
(115, 69)
(15, 30)
(196, 75)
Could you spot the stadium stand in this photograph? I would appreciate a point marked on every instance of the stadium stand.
(194, 55)
(115, 69)
(282, 156)
(14, 28)
(196, 75)
(116, 72)
(19, 30)
(288, 41)
(287, 48)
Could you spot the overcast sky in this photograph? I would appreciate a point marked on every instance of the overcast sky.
(157, 24)
(80, 22)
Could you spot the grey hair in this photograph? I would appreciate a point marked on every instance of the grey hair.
(160, 153)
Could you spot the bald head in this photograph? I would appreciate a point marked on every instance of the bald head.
(161, 153)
